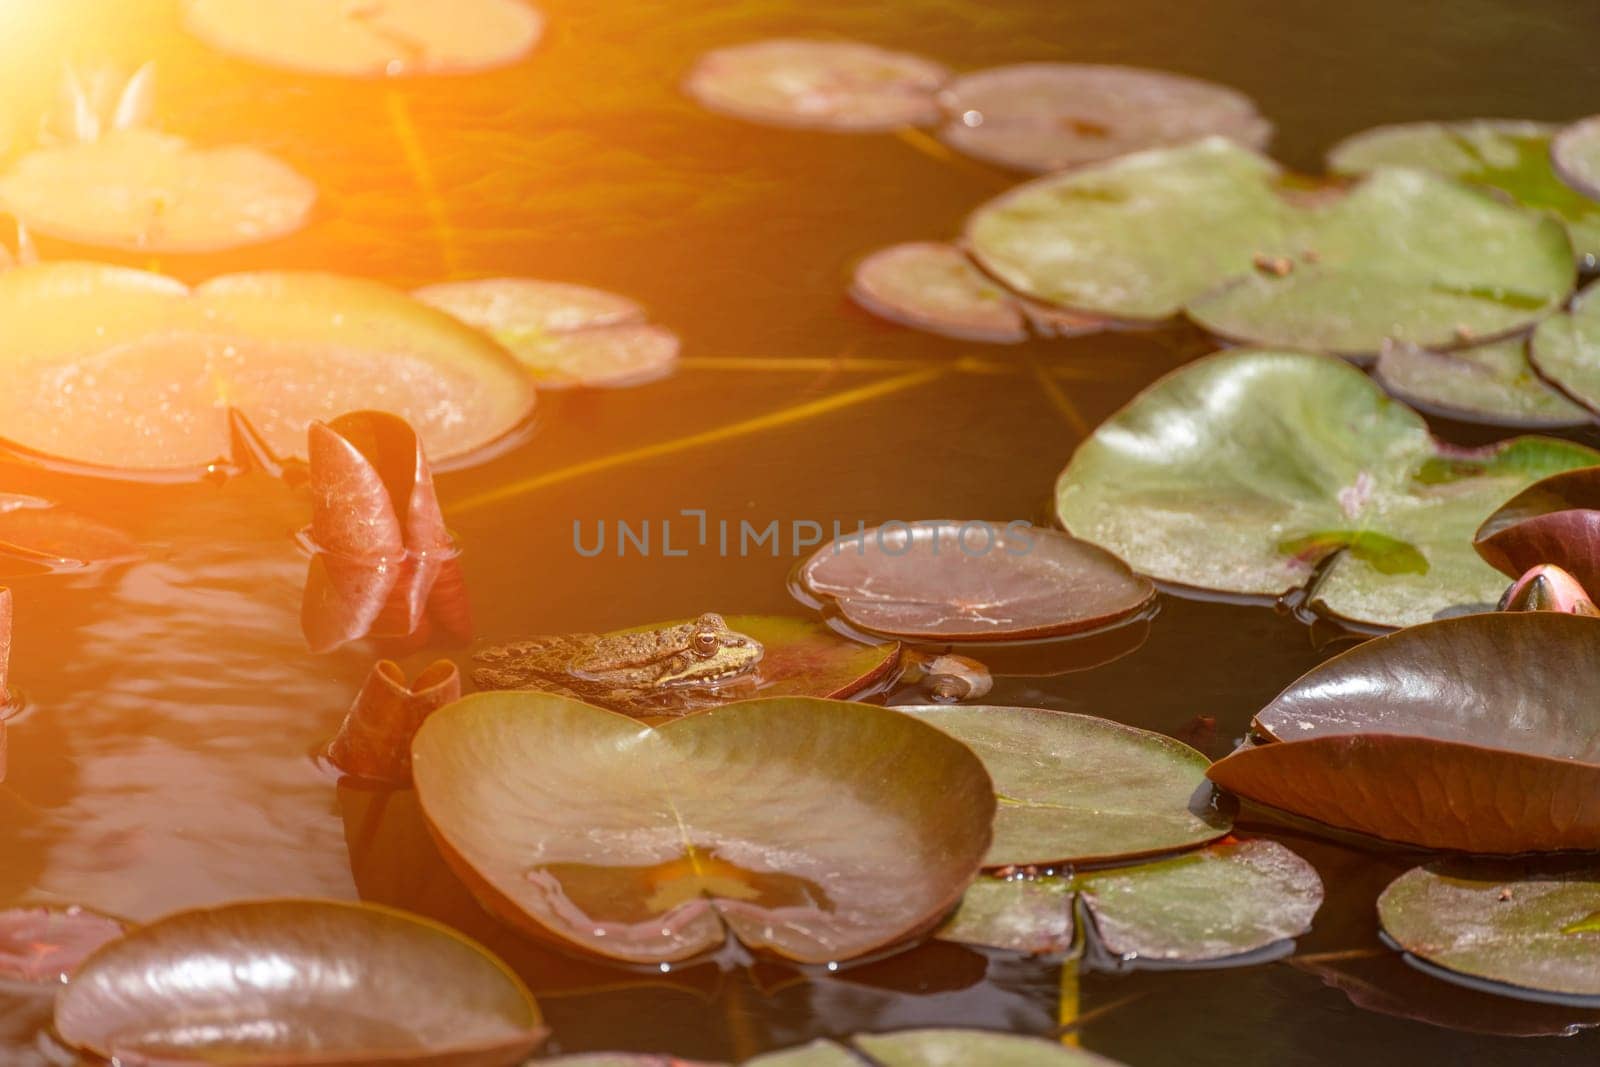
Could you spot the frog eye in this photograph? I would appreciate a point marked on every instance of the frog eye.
(705, 643)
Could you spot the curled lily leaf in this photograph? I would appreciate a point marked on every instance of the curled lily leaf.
(374, 741)
(1548, 588)
(1555, 520)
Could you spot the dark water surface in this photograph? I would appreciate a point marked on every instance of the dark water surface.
(164, 759)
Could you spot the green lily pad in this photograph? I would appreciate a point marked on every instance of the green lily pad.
(1492, 383)
(129, 370)
(1566, 349)
(1244, 471)
(1215, 230)
(1222, 901)
(1532, 927)
(298, 981)
(152, 192)
(813, 830)
(962, 1048)
(391, 37)
(1575, 151)
(1510, 155)
(1076, 789)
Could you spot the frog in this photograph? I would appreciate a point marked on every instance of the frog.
(668, 670)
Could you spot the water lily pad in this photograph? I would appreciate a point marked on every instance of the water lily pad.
(949, 580)
(37, 536)
(42, 945)
(298, 981)
(123, 369)
(1556, 521)
(139, 189)
(813, 830)
(830, 85)
(1509, 155)
(565, 334)
(1492, 383)
(1076, 789)
(368, 38)
(1049, 116)
(1566, 349)
(1215, 230)
(1473, 733)
(1245, 471)
(1575, 151)
(958, 1048)
(1534, 927)
(1222, 901)
(933, 286)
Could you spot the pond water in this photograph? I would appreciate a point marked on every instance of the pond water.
(165, 759)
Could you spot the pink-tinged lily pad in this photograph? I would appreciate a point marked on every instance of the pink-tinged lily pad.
(566, 335)
(1555, 520)
(123, 369)
(932, 286)
(152, 192)
(830, 85)
(1548, 588)
(812, 830)
(950, 580)
(1216, 903)
(1576, 154)
(369, 38)
(37, 536)
(43, 945)
(374, 741)
(289, 982)
(1050, 116)
(1077, 789)
(1531, 927)
(1491, 383)
(1473, 733)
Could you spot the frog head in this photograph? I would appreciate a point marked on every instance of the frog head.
(711, 653)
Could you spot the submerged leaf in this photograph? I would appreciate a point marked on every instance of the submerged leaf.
(123, 369)
(830, 85)
(812, 830)
(566, 335)
(1403, 255)
(1049, 116)
(1246, 471)
(1526, 925)
(1474, 733)
(367, 39)
(298, 981)
(374, 741)
(1076, 789)
(949, 580)
(1491, 383)
(1509, 155)
(151, 192)
(42, 945)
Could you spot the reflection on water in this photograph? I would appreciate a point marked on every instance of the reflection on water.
(164, 758)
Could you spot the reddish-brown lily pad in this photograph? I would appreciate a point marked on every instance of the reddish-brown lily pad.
(1049, 116)
(124, 369)
(945, 579)
(41, 945)
(566, 335)
(1473, 733)
(374, 741)
(38, 536)
(369, 38)
(830, 85)
(812, 830)
(1555, 520)
(291, 982)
